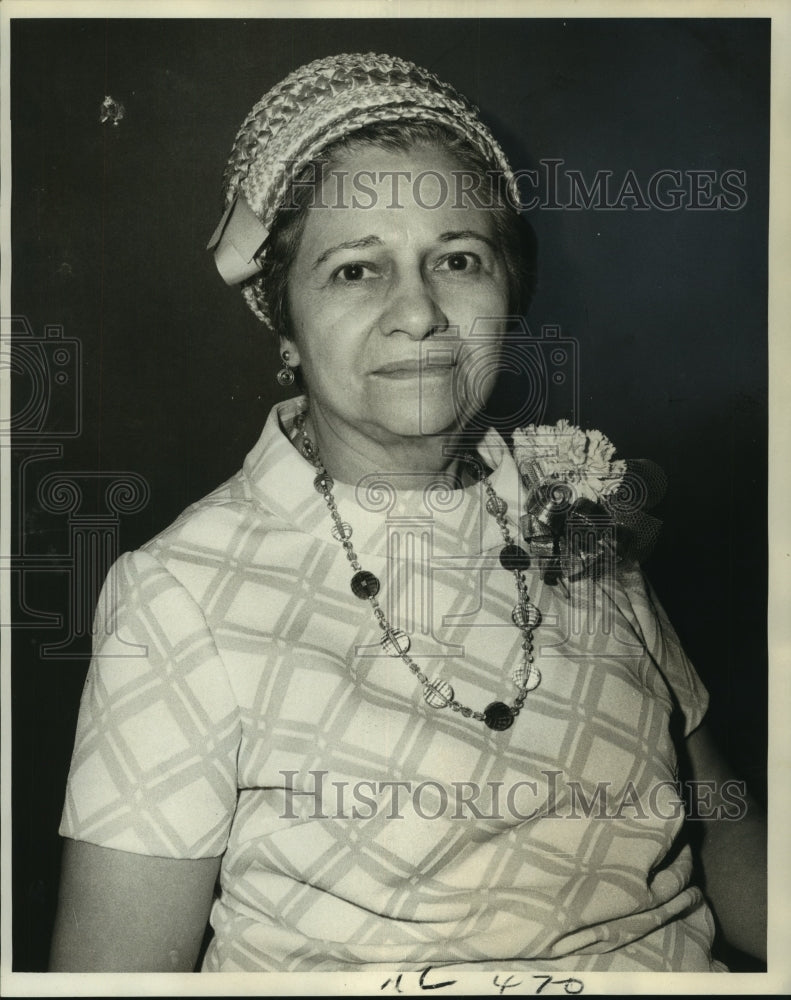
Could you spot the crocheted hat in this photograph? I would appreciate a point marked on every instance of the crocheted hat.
(314, 106)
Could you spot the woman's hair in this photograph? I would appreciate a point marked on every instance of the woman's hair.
(514, 236)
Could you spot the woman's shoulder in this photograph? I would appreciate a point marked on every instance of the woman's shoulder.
(216, 524)
(230, 529)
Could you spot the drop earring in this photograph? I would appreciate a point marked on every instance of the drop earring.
(286, 374)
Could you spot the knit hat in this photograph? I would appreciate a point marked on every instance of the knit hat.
(313, 107)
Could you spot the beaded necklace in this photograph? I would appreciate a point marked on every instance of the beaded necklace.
(437, 692)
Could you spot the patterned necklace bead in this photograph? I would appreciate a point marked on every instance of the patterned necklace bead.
(437, 692)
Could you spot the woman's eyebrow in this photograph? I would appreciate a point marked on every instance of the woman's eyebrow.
(466, 234)
(365, 241)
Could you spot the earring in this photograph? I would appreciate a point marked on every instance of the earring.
(286, 374)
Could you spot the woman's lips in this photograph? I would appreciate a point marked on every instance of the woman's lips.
(412, 369)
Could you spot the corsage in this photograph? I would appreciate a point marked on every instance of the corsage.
(584, 509)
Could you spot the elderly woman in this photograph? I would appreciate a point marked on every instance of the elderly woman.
(367, 704)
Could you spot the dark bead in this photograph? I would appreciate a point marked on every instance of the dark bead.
(498, 716)
(364, 585)
(323, 483)
(514, 557)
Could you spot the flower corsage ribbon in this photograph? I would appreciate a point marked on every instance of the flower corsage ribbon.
(584, 510)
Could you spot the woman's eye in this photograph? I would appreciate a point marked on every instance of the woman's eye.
(350, 273)
(460, 262)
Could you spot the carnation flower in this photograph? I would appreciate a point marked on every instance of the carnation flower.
(583, 459)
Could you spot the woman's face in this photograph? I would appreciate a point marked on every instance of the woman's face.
(383, 296)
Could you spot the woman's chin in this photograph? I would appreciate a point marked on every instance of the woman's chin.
(415, 414)
(425, 422)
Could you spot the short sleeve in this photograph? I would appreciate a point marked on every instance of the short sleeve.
(664, 647)
(154, 764)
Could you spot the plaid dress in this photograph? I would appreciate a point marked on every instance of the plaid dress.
(240, 703)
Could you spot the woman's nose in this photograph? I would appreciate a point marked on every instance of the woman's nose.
(412, 308)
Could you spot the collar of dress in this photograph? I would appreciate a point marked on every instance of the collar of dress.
(281, 481)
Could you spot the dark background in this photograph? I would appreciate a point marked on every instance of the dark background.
(174, 376)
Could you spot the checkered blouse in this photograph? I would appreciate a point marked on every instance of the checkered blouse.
(239, 704)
